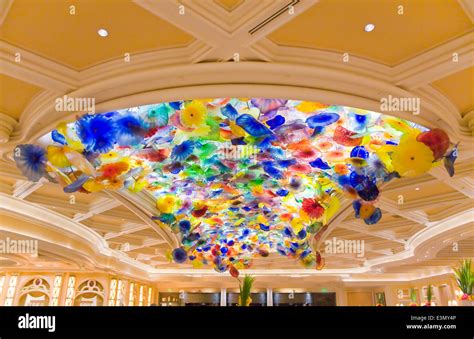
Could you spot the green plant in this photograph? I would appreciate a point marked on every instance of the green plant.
(429, 294)
(245, 287)
(465, 276)
(413, 295)
(380, 299)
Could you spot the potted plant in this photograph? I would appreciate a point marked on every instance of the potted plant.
(465, 281)
(429, 296)
(380, 299)
(245, 287)
(413, 297)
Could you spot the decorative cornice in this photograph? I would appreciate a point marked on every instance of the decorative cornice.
(7, 125)
(36, 70)
(5, 6)
(468, 7)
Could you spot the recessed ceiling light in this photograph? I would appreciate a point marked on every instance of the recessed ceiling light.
(417, 189)
(103, 32)
(369, 27)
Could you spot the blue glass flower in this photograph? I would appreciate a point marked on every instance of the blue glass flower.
(369, 193)
(184, 226)
(229, 111)
(356, 205)
(73, 187)
(319, 163)
(176, 104)
(282, 192)
(252, 126)
(276, 121)
(130, 129)
(96, 132)
(273, 172)
(302, 234)
(374, 218)
(322, 119)
(286, 163)
(179, 255)
(305, 253)
(31, 160)
(359, 181)
(359, 152)
(58, 137)
(182, 151)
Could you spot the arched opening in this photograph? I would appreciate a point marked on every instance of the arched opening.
(89, 293)
(36, 292)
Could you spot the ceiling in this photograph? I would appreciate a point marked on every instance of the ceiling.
(71, 39)
(338, 25)
(410, 53)
(229, 5)
(15, 95)
(458, 88)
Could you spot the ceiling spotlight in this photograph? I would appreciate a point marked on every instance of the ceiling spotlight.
(103, 32)
(369, 27)
(417, 189)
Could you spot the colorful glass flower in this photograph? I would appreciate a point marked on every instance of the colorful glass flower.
(411, 158)
(31, 160)
(96, 132)
(193, 115)
(312, 208)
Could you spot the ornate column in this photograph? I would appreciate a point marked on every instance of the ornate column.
(269, 297)
(223, 297)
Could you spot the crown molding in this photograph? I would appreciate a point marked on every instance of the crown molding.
(435, 63)
(7, 125)
(36, 70)
(5, 6)
(468, 7)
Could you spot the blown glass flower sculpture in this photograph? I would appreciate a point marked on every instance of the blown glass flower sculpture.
(239, 178)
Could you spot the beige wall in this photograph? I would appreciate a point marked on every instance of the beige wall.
(79, 277)
(350, 294)
(360, 298)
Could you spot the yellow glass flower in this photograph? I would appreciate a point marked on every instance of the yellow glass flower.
(71, 137)
(193, 115)
(166, 203)
(138, 185)
(114, 184)
(92, 185)
(309, 107)
(401, 126)
(57, 157)
(238, 131)
(411, 158)
(109, 157)
(297, 224)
